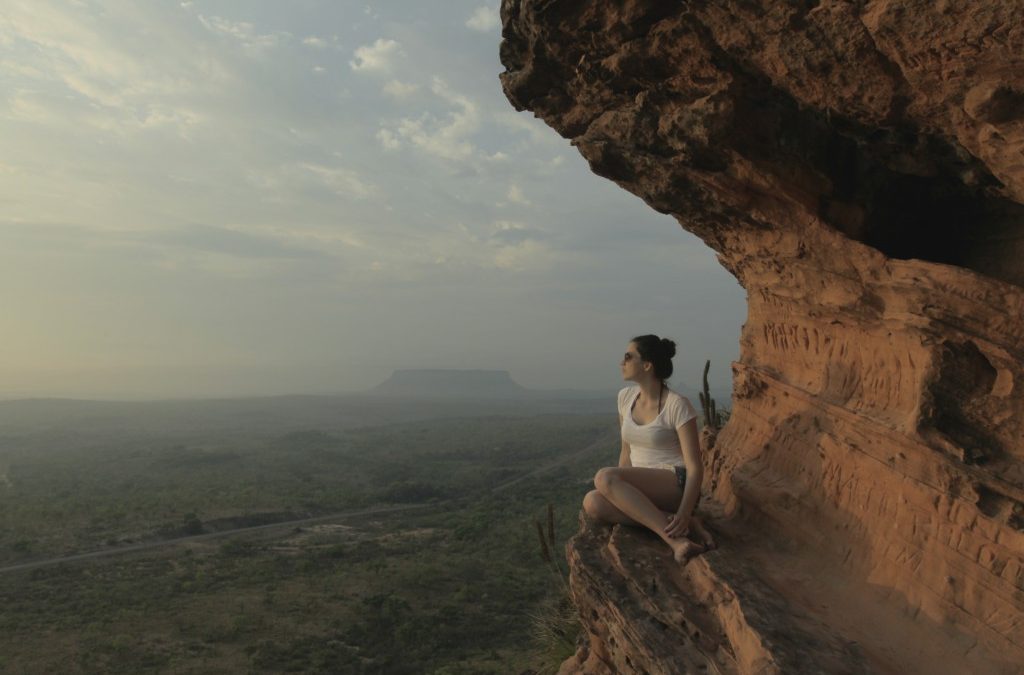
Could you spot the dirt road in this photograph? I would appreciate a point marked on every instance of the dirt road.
(344, 515)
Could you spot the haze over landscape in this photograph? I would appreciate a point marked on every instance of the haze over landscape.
(232, 198)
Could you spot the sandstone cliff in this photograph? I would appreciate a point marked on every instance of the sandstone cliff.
(859, 167)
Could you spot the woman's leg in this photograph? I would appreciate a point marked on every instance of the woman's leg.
(645, 495)
(603, 511)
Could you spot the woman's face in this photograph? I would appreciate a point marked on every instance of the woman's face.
(631, 364)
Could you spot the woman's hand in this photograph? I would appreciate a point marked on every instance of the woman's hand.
(677, 526)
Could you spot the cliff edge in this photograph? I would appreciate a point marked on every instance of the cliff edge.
(859, 167)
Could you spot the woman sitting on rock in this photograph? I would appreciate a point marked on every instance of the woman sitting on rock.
(658, 480)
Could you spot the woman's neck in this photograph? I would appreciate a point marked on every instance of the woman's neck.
(651, 390)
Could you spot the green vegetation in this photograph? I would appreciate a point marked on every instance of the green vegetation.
(455, 587)
(555, 622)
(96, 494)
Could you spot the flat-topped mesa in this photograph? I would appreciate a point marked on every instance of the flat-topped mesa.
(859, 167)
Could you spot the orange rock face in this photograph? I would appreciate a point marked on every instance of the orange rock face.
(859, 167)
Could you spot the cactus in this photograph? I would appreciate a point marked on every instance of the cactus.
(547, 545)
(545, 552)
(712, 418)
(556, 625)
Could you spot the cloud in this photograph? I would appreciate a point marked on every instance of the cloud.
(448, 137)
(378, 57)
(33, 107)
(244, 32)
(460, 252)
(168, 242)
(518, 248)
(527, 123)
(399, 89)
(69, 71)
(68, 47)
(484, 19)
(289, 181)
(315, 42)
(181, 120)
(341, 181)
(529, 255)
(229, 241)
(510, 233)
(388, 139)
(57, 112)
(515, 196)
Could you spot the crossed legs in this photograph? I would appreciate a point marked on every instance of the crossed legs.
(648, 497)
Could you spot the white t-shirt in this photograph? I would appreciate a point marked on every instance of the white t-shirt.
(656, 444)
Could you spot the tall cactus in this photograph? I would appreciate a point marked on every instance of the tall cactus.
(712, 418)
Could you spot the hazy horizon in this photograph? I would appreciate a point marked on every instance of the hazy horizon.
(687, 387)
(226, 198)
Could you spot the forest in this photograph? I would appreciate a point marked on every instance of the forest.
(405, 547)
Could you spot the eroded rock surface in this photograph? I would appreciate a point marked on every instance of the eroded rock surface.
(859, 167)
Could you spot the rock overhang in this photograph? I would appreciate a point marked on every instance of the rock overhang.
(858, 167)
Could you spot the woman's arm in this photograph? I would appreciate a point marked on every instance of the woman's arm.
(624, 452)
(694, 477)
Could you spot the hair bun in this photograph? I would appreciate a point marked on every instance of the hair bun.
(668, 348)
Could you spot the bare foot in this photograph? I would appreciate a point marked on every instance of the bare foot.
(697, 525)
(684, 550)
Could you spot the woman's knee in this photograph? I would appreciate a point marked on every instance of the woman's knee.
(604, 478)
(592, 504)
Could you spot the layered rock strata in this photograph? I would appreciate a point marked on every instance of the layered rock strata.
(859, 167)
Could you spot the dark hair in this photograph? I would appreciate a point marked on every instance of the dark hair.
(658, 351)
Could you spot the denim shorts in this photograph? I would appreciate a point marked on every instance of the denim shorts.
(681, 477)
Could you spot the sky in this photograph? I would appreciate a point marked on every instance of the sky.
(246, 197)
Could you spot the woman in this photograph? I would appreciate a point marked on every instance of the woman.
(657, 483)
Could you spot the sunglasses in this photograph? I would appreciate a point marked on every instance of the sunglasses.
(629, 356)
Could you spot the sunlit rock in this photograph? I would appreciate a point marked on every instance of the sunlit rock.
(859, 167)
